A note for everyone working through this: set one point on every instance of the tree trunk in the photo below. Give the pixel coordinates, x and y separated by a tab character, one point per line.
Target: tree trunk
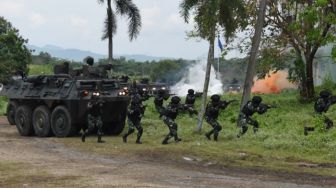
110	33
310	92
206	84
253	54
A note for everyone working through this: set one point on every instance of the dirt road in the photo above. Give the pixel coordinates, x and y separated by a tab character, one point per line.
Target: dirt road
42	162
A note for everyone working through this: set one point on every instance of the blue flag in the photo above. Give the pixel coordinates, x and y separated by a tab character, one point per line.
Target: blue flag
220	44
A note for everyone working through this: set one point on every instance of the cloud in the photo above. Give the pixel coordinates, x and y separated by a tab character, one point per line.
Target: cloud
8	7
37	19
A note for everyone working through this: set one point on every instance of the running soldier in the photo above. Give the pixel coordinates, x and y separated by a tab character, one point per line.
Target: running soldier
245	116
321	107
211	115
169	116
94	119
135	112
158	101
190	102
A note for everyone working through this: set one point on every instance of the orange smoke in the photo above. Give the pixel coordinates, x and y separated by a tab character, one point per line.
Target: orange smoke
274	83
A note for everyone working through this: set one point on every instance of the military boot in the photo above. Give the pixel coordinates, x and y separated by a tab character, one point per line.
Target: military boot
138	140
216	137
83	137
125	138
165	141
100	139
208	135
177	139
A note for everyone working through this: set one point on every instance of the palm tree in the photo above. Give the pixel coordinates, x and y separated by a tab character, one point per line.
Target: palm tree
212	17
123	7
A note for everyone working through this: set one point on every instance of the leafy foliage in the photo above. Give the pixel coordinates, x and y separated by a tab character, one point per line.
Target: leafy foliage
294	31
14	55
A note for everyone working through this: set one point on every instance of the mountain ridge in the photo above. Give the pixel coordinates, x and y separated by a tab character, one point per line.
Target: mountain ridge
78	55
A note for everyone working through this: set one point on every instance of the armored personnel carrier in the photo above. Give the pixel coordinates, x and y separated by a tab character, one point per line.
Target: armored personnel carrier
45	105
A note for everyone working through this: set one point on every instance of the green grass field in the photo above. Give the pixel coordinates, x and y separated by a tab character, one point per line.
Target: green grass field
279	144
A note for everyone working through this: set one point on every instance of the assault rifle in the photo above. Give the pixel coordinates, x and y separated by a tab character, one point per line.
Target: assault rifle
264	107
224	104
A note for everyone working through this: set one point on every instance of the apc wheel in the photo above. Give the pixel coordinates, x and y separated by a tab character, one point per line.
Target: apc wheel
11	109
61	124
23	120
41	121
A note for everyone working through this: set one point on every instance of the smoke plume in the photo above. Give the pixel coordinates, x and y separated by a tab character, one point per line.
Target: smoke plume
194	79
274	83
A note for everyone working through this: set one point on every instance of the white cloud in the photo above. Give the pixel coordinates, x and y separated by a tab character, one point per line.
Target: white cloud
8	7
37	19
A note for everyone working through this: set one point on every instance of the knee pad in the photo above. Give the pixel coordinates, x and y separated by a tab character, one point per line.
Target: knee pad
219	128
174	126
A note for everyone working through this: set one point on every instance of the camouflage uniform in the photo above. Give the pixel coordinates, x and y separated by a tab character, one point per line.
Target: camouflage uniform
158	101
170	115
94	120
321	106
190	101
134	115
211	115
246	113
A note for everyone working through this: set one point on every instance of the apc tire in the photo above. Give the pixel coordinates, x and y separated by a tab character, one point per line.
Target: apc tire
23	120
61	124
10	112
41	121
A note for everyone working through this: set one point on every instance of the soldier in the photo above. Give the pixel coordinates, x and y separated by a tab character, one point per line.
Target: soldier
321	106
94	119
247	111
158	101
135	112
170	114
211	115
190	101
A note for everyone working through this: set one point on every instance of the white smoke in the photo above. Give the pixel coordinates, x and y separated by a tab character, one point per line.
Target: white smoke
194	79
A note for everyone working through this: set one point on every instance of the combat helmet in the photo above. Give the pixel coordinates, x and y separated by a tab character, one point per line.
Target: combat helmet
191	91
89	60
325	94
215	98
175	100
256	100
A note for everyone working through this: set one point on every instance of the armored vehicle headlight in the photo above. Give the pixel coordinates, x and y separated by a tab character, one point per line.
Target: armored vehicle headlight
144	89
122	93
125	88
154	88
96	94
164	88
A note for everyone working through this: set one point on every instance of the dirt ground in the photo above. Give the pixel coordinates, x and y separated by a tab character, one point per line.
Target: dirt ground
42	162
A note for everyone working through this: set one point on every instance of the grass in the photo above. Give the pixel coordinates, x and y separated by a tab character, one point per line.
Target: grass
279	144
35	69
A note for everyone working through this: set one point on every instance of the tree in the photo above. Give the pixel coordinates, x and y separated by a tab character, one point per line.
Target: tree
212	17
123	7
253	54
299	28
14	55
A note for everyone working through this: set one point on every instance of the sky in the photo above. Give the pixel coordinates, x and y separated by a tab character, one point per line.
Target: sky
79	24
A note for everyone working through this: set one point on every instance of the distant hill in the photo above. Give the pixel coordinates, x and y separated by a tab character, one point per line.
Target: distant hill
79	55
